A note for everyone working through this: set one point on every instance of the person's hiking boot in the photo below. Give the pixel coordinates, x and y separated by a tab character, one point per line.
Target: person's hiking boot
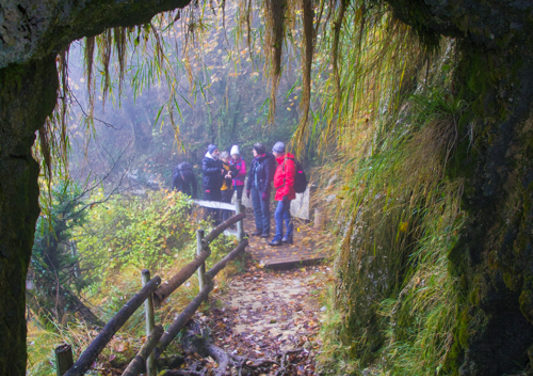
286	240
265	235
274	242
256	233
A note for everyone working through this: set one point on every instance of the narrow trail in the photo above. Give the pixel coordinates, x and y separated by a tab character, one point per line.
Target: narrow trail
272	317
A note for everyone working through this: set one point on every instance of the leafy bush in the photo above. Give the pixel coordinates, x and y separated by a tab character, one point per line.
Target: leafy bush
126	234
144	232
54	268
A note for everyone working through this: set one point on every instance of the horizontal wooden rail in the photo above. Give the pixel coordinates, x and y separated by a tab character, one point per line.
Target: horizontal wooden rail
97	345
230	256
138	363
182	319
179	278
215	205
221	227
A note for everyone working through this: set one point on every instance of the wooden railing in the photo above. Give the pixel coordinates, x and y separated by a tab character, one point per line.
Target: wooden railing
153	293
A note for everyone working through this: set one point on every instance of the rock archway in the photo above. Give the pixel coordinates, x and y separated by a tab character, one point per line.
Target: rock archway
31	36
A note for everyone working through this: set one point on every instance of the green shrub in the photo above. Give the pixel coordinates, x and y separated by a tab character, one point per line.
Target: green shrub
54	268
144	232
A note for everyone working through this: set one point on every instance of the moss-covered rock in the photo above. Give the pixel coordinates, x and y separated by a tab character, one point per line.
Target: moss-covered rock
491	264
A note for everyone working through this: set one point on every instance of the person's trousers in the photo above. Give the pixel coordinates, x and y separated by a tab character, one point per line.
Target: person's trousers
282	216
226	197
261	212
214	214
239	189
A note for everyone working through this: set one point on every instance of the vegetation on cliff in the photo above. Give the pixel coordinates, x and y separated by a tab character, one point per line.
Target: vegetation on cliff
433	271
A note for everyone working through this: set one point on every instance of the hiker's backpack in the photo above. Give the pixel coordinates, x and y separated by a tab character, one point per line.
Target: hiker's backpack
181	170
300	180
185	166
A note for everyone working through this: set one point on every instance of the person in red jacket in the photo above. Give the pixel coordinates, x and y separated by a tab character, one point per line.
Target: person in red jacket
284	185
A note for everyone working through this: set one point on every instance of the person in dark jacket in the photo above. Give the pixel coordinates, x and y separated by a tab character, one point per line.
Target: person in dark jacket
258	185
183	179
212	178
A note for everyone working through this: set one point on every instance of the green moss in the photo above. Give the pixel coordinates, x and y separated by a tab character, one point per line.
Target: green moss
511	280
462	327
526	299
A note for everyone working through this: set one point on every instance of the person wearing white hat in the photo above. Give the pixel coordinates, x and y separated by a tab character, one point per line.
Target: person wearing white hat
240	166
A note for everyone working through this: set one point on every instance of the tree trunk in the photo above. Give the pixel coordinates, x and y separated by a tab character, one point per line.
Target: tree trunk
27	96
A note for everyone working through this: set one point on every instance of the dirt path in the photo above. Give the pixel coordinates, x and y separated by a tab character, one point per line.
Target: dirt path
272	315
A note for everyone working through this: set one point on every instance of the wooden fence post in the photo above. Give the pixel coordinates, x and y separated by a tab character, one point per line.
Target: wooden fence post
89	355
240	224
201	269
319	220
149	316
64	361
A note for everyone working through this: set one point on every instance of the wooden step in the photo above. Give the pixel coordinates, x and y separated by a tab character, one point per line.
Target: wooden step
283	258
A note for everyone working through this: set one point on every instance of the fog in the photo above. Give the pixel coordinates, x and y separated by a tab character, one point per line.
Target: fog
215	91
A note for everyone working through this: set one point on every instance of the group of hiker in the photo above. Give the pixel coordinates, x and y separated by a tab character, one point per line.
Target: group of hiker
223	173
221	176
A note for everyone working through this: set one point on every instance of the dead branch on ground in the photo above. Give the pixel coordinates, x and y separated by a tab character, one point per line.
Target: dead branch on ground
195	340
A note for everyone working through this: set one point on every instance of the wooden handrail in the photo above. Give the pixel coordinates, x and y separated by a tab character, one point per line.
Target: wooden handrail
182	319
230	256
223	226
179	278
159	340
97	345
137	363
187	313
215	204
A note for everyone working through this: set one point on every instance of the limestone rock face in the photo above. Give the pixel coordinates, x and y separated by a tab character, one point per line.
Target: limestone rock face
21	21
36	29
27	96
493	257
494	24
490	265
